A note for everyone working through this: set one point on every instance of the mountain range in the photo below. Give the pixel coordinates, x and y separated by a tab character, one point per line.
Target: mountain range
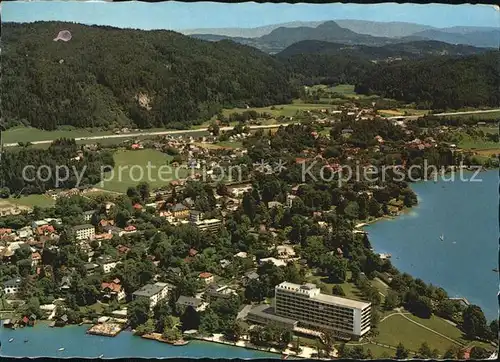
274	38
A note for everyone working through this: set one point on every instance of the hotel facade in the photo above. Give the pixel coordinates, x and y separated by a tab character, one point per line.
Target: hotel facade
313	310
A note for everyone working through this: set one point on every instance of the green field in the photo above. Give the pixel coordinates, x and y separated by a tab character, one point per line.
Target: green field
469	142
287	110
128	166
28	134
29	200
396	329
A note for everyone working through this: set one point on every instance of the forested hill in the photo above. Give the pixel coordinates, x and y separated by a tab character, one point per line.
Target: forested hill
438	83
105	76
408	50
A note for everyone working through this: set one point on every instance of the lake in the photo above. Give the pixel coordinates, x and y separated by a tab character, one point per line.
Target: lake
45	342
466	214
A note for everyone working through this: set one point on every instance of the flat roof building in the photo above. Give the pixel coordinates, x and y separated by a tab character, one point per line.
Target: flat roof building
210	225
153	292
346	317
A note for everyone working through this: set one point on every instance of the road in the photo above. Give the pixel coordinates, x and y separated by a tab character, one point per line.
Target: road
190	131
448	114
147	134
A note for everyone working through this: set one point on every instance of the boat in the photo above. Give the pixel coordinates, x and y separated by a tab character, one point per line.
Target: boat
180	343
101	355
441	237
495	270
10	340
26	340
61	349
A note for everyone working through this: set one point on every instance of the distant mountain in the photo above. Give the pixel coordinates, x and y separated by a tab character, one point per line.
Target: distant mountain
368	33
329	31
481	38
409	50
466	29
394	29
250	32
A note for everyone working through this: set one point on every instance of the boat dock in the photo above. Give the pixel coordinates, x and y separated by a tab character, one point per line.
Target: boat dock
158	337
461	299
105	329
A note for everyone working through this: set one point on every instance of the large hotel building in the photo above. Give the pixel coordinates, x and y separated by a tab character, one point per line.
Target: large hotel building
314	310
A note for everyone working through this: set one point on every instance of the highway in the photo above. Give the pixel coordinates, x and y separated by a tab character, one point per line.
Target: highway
191	131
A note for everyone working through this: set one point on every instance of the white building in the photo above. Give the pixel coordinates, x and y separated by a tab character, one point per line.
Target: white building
12	286
83	232
153	293
107	263
314	310
210	225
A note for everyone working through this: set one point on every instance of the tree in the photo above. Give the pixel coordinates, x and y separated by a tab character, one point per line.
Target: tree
474	322
451	353
479	353
214	128
143	189
138	312
401	352
337	290
494	330
391	300
425	351
234	331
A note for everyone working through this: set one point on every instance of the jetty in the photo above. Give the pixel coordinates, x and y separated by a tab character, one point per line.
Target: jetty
105	329
158	337
461	299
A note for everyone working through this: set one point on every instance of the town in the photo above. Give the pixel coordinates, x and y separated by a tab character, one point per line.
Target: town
256	258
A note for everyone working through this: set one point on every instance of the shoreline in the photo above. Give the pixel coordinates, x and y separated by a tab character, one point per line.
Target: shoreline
406	211
306	352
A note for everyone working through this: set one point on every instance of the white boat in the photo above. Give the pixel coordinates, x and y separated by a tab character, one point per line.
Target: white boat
61	349
10	340
101	355
441	237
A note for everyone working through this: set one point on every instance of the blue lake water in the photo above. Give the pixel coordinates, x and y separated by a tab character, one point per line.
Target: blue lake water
466	214
45	342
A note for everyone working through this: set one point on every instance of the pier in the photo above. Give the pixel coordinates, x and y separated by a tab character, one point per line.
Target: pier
461	299
105	329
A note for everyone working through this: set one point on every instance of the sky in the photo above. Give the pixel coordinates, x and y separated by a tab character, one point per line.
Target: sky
178	15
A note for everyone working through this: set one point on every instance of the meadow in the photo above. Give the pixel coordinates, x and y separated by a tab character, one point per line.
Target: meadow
131	168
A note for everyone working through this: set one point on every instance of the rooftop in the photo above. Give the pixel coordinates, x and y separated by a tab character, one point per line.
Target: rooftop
189	301
325	298
265	311
83	227
150	289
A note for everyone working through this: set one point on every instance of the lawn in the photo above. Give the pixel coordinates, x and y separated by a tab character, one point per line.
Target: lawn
131	168
29	134
287	110
350	290
468	142
29	200
397	329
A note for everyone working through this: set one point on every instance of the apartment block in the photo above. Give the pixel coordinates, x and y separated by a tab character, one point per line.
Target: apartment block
210	225
153	293
84	232
345	317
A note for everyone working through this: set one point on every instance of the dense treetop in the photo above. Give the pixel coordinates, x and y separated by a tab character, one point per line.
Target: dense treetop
106	76
438	83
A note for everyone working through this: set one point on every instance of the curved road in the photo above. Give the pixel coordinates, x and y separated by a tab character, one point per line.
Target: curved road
188	131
